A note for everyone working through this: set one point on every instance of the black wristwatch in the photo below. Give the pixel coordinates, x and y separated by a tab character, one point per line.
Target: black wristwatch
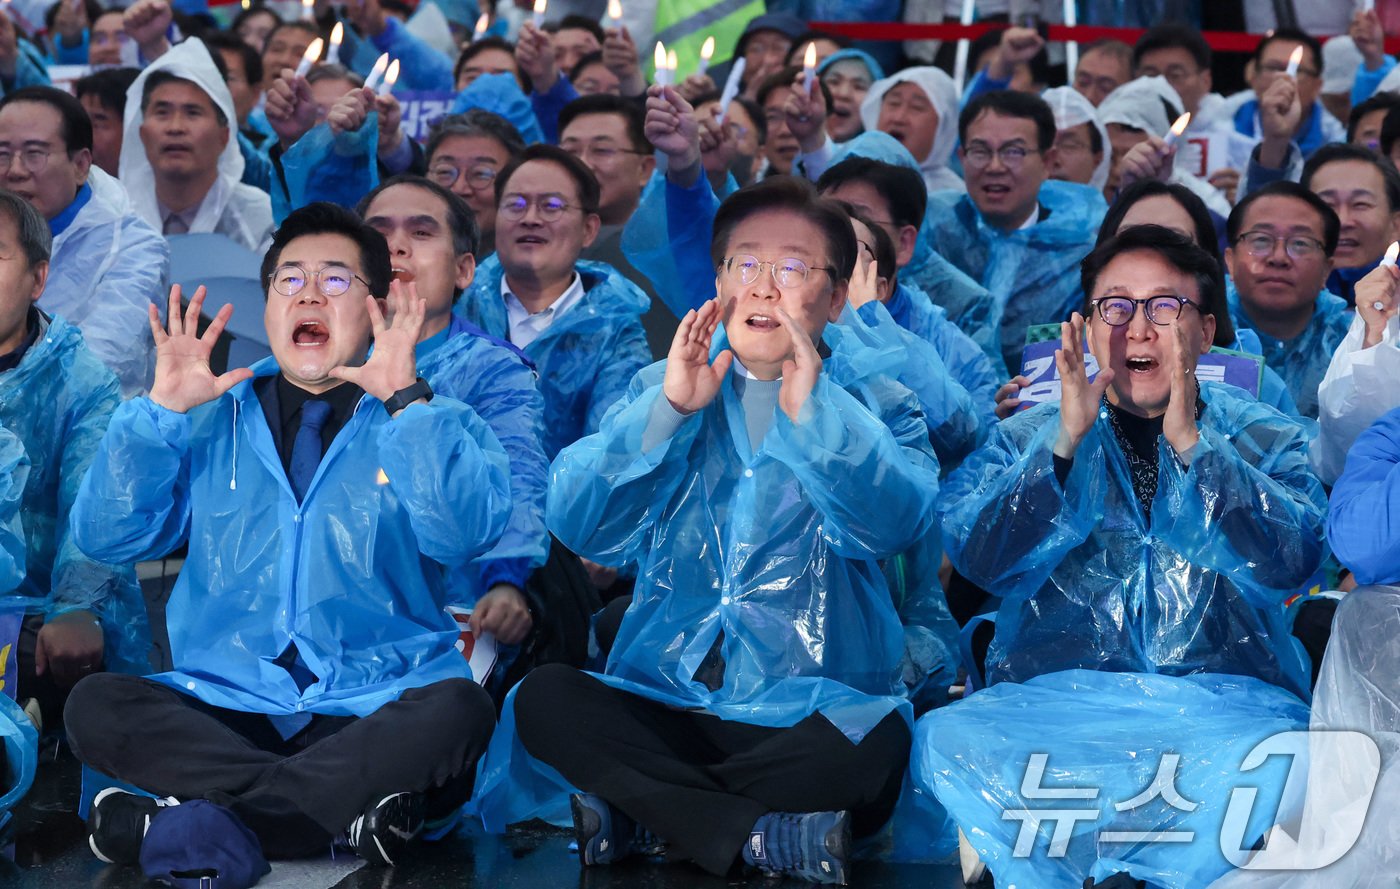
407	395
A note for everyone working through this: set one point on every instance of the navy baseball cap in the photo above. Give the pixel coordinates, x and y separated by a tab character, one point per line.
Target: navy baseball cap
200	845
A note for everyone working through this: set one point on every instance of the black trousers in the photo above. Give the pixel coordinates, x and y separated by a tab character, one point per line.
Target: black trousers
698	781
296	795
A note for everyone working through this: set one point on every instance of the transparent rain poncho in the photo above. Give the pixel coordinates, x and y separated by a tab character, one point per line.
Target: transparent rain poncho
1303	360
352	575
58	401
585	358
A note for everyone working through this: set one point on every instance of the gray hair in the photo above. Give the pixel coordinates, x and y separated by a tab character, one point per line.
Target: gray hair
34	237
477	122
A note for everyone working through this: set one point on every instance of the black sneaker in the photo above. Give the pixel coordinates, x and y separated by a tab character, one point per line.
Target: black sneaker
386	829
117	823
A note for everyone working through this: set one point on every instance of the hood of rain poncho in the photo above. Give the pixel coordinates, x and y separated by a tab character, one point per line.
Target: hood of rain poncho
943	95
190	61
1138	104
500	94
860	55
1071	110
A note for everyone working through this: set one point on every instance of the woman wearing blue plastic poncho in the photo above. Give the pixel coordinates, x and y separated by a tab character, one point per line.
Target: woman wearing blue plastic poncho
762	645
1143	534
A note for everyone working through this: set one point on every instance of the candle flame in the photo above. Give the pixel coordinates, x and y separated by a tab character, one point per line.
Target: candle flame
391	76
671	63
1392	253
337	34
482	24
1182	123
707	51
615	10
658	57
379	65
540	6
809	58
1296	58
313	52
246	5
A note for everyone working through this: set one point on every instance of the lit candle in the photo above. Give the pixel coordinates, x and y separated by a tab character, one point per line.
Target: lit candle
313	52
1294	61
614	19
809	68
308	10
671	65
246	4
482	24
658	59
337	35
1177	129
707	52
538	18
377	72
731	86
391	77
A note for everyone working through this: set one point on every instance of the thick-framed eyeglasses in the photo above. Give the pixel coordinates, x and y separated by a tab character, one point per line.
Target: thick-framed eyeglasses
1163	310
1013	156
550	206
787	272
33	160
291	278
1257	243
477	178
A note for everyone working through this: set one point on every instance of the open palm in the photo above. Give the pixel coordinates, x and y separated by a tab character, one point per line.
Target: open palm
184	379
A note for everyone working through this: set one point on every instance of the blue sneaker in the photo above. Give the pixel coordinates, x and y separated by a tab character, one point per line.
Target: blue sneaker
811	846
605	834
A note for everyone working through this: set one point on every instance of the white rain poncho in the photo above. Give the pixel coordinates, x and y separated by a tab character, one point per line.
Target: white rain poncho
108	265
943	94
231	208
1071	110
1359	387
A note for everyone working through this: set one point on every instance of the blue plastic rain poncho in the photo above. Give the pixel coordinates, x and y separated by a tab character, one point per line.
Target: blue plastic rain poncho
1031	273
1273	391
108	266
58	401
324	166
1301	361
912	310
500	94
14	477
498	383
242	212
966	302
351	575
777	549
1364	523
585	357
1107	758
30	69
1087	580
943	96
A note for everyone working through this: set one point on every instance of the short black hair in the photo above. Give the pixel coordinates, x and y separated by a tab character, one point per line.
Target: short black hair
255	9
466	235
476	47
74	124
1179	251
476	122
1390	130
806	37
781	79
584	61
902	189
584	180
108	85
35	238
1386	102
575	22
322	218
1009	103
1201	221
797	195
156	79
1173	35
1343	151
1331	225
884	247
1290	35
627	109
227	40
755	112
92	7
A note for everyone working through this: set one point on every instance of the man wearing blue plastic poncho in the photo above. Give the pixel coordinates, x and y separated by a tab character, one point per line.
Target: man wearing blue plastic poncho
751	712
317	690
1143	535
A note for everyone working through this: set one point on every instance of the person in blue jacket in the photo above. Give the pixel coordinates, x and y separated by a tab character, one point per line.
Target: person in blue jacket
1361	522
19	739
1143	534
322	495
1281	240
578	321
1017	232
432	239
751	712
80	615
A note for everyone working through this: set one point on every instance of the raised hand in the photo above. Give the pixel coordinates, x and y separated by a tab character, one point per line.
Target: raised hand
1017	45
1279	114
290	107
147	22
719	143
696	85
1376	301
534	53
865	281
504	613
800	372
1007	400
1367	34
691	381
806	114
1151	158
671	128
392	365
620	56
349	112
390	124
184	379
1179	422
1079	399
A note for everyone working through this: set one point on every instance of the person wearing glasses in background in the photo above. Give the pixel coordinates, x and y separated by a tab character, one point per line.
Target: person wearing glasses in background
1281	241
1142	609
578	321
465	152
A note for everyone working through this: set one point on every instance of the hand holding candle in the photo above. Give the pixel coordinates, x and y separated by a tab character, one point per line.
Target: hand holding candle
313	52
376	73
658	60
809	68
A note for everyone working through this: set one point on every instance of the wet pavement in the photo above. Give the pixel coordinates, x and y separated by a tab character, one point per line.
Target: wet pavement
50	850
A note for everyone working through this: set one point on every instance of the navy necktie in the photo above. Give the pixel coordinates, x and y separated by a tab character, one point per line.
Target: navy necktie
306	447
